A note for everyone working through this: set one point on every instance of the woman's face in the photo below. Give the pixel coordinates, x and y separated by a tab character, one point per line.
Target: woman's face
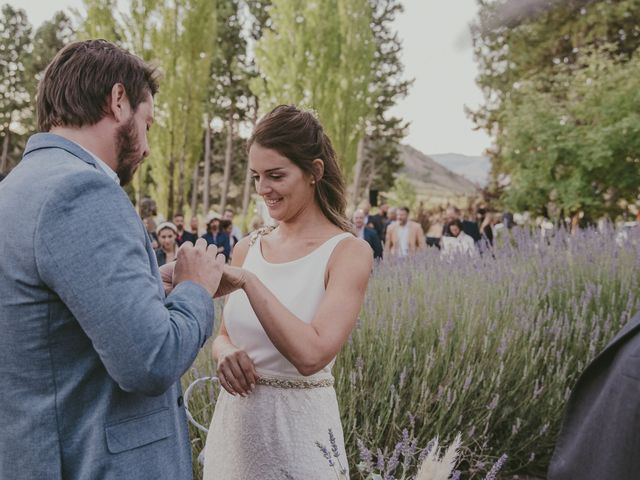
167	239
286	189
455	231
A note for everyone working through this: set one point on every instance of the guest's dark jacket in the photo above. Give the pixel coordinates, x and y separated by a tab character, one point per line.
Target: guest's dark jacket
468	227
161	256
221	239
377	222
600	434
371	237
186	237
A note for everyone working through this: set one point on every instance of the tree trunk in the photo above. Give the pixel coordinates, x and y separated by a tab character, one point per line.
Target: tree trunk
194	189
246	192
357	171
228	157
4	160
181	168
206	195
172	170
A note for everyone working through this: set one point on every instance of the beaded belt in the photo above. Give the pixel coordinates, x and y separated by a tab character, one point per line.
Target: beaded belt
294	382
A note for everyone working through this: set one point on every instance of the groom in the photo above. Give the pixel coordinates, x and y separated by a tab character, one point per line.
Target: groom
91	351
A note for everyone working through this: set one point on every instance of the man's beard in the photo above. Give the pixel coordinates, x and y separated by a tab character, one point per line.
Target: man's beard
128	154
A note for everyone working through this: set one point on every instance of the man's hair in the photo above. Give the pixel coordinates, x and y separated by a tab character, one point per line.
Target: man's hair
77	83
230	210
179	214
406	209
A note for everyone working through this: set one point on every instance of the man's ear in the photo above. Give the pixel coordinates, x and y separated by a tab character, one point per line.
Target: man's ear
119	103
317	167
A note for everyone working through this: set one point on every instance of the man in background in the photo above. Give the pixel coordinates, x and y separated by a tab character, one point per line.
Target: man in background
183	235
404	237
369	235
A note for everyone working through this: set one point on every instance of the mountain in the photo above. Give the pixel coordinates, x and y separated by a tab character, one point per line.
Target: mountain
476	169
432	180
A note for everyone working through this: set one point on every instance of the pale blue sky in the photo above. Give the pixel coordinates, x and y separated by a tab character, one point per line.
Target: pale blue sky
437	54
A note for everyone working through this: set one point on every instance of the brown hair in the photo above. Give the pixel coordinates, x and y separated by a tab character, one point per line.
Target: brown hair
76	84
298	135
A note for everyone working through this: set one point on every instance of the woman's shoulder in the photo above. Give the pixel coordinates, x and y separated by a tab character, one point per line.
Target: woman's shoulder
352	248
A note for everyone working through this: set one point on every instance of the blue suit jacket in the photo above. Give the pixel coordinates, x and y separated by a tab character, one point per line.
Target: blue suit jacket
91	351
371	237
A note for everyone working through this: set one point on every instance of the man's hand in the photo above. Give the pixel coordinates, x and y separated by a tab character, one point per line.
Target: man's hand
199	263
233	278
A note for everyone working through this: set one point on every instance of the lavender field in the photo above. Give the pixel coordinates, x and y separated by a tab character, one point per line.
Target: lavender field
487	346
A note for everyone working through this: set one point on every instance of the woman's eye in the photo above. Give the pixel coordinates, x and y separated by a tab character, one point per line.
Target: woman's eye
276	177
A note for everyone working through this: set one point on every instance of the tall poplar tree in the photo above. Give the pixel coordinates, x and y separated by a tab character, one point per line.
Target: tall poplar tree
319	55
184	45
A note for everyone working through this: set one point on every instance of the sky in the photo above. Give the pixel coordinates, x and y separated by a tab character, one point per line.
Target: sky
437	54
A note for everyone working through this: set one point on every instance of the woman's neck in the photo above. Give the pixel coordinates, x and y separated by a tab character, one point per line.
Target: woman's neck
308	223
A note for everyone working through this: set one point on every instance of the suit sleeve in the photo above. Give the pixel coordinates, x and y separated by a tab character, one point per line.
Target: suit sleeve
90	250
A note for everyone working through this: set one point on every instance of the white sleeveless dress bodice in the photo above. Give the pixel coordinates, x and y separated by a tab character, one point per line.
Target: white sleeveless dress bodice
272	433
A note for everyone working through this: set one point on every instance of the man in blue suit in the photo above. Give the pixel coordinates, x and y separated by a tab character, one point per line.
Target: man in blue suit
91	351
369	235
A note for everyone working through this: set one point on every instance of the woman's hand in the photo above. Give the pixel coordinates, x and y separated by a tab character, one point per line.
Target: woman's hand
233	278
166	274
236	371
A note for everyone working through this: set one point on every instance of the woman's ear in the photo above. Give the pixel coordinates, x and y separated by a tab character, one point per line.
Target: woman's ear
317	167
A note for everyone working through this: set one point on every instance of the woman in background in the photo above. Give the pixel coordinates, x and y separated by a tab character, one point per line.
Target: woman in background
167	233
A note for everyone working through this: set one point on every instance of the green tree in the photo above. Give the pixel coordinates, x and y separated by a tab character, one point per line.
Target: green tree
229	87
384	131
514	43
99	21
15	47
49	38
184	45
404	192
573	148
319	55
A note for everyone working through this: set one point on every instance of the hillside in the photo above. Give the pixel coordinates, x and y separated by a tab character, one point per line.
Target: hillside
476	168
431	179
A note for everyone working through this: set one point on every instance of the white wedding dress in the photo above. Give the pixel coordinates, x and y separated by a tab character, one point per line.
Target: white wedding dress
272	433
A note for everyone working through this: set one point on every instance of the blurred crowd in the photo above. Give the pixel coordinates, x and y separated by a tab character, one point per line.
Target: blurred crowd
391	231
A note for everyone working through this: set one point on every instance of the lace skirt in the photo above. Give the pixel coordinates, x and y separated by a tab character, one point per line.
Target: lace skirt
272	435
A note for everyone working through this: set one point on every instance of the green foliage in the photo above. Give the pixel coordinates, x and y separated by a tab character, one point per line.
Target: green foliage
517	43
184	52
404	192
319	55
384	131
574	146
100	21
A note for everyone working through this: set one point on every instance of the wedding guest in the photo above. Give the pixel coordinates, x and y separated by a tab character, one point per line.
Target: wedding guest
227	227
182	234
372	221
303	285
404	237
215	236
194	225
150	226
599	437
457	241
235	231
167	238
367	234
468	226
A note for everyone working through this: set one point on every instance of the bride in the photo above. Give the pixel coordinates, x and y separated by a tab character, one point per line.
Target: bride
300	289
